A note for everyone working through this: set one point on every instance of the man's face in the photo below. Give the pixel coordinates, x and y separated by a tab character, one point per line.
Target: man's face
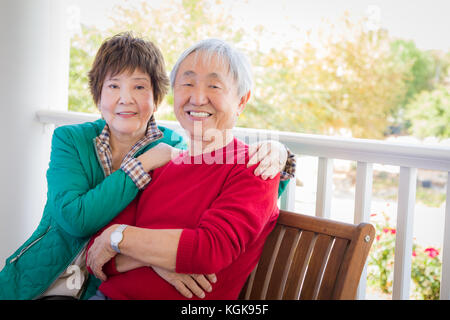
206	96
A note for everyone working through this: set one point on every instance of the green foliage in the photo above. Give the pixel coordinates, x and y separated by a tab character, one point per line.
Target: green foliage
381	257
420	67
426	264
426	273
82	53
429	113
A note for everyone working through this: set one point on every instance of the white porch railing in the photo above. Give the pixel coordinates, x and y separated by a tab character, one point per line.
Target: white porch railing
365	152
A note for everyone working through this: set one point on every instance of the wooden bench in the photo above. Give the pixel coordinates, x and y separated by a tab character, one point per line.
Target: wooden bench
308	258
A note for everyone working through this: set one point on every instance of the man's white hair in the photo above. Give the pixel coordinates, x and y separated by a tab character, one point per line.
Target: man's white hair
237	62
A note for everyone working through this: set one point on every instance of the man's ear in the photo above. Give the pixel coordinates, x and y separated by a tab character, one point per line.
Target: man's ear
243	101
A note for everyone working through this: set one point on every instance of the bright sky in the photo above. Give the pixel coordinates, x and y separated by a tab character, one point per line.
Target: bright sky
427	22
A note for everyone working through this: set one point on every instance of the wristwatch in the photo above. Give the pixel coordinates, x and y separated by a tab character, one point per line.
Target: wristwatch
117	236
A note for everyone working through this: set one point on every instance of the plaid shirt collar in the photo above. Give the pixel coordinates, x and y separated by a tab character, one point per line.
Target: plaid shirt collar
103	146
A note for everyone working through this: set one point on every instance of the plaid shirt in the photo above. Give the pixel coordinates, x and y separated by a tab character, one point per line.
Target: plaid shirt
130	165
288	171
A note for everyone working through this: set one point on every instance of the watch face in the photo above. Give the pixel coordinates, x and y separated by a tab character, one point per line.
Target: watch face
116	237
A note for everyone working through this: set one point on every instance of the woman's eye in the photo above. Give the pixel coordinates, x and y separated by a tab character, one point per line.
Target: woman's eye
187	84
214	86
140	87
113	86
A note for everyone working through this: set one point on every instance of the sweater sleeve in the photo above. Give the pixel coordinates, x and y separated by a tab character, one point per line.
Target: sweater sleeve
127	216
78	208
231	224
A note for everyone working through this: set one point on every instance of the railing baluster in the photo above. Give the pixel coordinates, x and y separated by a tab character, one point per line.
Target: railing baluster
445	281
404	236
324	187
363	198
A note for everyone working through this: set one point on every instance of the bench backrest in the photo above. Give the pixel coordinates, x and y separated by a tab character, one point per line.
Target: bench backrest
307	257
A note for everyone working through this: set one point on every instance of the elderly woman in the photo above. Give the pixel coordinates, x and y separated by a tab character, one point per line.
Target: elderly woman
215	217
96	169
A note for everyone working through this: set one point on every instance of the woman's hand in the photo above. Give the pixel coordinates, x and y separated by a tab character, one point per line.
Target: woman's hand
188	284
271	155
101	252
158	156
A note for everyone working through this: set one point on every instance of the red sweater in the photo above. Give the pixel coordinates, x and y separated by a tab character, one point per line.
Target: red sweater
225	211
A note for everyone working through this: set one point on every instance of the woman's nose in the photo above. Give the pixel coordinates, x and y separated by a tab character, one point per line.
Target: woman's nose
125	96
199	97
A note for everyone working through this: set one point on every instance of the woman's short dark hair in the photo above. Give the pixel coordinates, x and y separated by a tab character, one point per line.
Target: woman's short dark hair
124	52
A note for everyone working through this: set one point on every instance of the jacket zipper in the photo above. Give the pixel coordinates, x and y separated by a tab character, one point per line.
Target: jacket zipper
29	246
59	274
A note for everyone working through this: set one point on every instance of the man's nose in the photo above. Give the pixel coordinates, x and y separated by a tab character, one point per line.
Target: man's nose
199	97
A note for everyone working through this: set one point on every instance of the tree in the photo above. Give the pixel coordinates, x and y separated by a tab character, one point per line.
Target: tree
345	80
82	52
420	67
429	113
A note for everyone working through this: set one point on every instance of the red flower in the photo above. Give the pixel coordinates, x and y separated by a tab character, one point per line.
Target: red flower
391	230
378	238
414	254
432	252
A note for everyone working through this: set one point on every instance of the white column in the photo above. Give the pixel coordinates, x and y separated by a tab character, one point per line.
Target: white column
363	198
445	281
34	64
324	187
404	235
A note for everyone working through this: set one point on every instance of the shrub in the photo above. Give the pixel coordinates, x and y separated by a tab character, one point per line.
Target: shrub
425	265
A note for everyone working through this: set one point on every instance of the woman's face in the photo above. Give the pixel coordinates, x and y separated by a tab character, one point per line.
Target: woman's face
126	103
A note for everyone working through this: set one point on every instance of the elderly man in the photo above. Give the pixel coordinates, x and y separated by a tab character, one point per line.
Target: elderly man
216	216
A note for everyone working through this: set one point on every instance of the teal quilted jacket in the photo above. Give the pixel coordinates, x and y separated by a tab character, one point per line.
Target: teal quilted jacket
80	201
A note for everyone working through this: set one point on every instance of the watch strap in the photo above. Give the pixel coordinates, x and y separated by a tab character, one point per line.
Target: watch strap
115	244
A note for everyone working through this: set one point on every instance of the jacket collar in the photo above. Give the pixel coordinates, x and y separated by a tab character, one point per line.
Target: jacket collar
152	133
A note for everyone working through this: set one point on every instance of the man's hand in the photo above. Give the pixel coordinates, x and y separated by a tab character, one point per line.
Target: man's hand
101	252
188	284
